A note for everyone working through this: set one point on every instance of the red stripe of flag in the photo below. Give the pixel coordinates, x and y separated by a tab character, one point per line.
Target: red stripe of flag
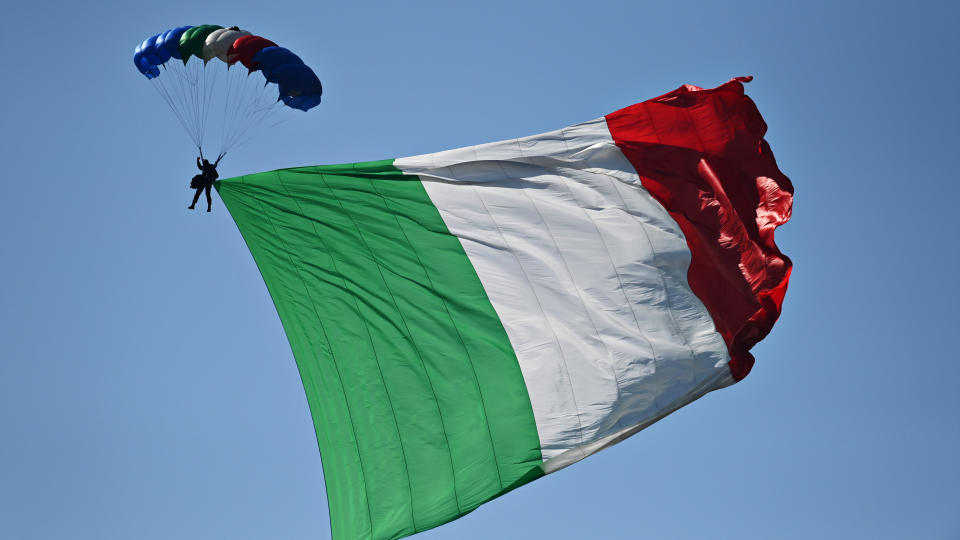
701	153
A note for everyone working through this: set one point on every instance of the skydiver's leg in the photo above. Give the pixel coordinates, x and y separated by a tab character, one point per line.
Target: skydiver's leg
208	197
196	197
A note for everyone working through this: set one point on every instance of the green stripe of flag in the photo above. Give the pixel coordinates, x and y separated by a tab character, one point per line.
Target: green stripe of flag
397	345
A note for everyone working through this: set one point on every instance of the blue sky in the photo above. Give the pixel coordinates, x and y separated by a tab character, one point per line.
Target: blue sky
146	387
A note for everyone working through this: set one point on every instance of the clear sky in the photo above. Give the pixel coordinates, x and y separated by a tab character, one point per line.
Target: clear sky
147	390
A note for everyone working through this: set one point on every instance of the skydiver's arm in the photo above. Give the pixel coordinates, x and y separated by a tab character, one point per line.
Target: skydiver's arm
199	165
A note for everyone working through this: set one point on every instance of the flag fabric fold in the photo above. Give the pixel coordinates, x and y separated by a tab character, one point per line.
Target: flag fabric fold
469	320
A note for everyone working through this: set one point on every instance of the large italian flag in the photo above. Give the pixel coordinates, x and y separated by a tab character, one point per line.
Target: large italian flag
467	321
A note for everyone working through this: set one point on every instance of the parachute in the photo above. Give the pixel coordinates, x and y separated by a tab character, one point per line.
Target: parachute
204	94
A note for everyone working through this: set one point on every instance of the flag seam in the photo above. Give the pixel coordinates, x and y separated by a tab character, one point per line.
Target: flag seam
453	323
332	357
569	274
667	291
415	347
543	313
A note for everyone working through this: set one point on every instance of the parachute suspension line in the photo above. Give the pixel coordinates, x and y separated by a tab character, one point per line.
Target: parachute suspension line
243	110
184	84
179	94
197	95
246	105
233	106
184	98
210	85
268	108
230	108
200	93
242	114
256	119
257	105
226	102
274	106
158	85
186	101
194	90
173	98
196	80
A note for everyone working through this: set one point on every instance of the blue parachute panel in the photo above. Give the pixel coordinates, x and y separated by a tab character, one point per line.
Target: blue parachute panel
270	59
169	41
145	57
299	86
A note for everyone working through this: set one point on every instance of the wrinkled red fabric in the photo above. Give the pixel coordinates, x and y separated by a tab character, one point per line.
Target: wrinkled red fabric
244	49
701	154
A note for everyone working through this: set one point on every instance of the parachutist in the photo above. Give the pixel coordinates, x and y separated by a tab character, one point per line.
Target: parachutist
204	181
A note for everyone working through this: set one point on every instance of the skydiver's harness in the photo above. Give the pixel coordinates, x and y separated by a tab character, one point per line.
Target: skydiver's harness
208	175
